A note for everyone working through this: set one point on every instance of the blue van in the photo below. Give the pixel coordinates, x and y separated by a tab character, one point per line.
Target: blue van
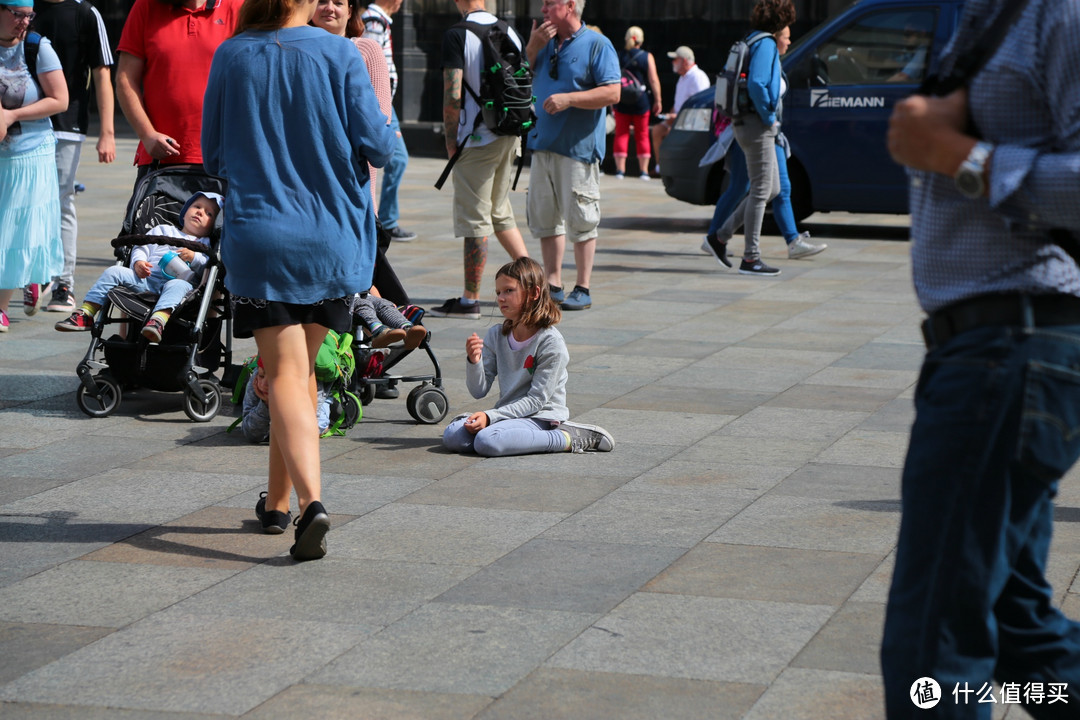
844	77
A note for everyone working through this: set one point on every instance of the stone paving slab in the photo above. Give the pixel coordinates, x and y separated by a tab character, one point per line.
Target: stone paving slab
730	559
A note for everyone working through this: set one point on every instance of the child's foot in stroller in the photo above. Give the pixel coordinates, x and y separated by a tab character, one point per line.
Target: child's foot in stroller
152	329
78	321
584	437
383	336
415	335
274	522
311	529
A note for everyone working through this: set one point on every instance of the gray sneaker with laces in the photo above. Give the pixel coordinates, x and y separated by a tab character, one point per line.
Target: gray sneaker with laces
801	247
584	438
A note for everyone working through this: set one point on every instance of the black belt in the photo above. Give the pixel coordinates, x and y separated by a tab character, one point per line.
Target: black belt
1001	310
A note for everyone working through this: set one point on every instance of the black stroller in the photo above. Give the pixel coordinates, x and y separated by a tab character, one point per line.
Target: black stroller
191	349
426	403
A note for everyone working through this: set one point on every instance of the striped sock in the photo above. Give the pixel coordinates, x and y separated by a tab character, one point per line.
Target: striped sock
161	315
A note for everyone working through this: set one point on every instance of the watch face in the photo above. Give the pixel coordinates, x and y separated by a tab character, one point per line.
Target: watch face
969	183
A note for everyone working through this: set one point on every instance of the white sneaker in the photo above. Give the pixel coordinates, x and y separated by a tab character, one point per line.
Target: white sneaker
801	247
645	177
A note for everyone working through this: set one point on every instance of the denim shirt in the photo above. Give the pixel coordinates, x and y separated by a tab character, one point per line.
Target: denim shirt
1026	102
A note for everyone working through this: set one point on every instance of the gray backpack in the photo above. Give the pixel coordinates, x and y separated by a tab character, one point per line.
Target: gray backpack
732	99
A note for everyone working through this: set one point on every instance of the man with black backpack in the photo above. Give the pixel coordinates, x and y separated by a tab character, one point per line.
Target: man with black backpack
487	106
994	160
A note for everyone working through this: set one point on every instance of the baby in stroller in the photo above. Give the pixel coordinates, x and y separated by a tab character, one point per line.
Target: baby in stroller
148	274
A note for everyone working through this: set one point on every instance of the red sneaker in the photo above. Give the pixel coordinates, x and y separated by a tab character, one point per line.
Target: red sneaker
78	321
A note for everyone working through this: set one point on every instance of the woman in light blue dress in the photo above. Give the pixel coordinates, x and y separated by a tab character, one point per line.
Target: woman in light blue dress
30	248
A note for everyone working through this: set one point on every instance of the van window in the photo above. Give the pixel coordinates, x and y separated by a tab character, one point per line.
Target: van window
889	46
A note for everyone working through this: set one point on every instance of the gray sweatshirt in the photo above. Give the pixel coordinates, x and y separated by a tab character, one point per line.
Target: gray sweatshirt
532	381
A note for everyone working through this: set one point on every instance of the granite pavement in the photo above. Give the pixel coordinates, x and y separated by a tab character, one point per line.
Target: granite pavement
730	559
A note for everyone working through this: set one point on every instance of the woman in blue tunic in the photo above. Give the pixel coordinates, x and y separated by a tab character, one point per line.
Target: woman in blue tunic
30	247
291	121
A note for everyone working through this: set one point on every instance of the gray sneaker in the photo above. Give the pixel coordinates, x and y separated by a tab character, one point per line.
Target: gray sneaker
801	247
758	268
588	437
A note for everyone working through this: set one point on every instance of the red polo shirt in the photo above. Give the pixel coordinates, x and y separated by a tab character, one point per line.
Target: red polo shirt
176	44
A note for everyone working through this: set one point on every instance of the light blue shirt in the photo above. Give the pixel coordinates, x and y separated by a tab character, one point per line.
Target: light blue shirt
18	89
585	61
1026	101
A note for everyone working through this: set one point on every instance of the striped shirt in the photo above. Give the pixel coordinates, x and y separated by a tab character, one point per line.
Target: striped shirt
1026	102
377	27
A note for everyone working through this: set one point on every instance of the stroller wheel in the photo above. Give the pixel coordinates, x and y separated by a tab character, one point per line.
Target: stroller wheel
106	400
427	404
366	393
352	408
199	411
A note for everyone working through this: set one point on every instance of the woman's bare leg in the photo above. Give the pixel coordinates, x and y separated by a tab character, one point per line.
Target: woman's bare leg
288	354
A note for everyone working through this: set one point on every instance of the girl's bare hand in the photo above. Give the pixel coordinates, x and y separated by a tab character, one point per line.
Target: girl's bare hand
474	348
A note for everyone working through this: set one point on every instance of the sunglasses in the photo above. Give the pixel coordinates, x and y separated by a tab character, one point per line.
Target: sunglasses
27	16
553	69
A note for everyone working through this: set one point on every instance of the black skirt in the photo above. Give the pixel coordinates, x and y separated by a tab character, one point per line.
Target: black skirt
250	315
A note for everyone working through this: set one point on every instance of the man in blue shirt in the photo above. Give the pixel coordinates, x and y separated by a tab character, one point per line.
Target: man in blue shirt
576	76
995	168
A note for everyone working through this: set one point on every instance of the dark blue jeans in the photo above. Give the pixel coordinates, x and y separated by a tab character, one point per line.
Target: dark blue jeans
389	211
997	424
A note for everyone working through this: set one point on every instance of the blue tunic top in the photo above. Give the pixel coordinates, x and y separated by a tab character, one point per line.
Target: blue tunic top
290	120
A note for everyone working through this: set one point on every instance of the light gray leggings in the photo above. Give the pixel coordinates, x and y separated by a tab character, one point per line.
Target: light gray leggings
758	143
516	436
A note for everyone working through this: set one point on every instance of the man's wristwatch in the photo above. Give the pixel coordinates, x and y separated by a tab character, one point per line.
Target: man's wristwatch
971	176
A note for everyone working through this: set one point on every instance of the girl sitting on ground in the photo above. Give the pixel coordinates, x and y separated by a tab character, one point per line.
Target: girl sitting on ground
529	357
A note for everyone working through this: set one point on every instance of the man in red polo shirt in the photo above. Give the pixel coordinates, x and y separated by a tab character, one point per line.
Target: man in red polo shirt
165	53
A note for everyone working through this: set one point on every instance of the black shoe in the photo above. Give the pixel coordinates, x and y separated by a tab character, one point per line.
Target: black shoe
311	529
273	522
758	268
396	233
718	249
454	308
62	300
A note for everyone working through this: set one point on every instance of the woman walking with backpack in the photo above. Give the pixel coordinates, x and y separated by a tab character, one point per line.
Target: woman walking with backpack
757	129
30	248
636	106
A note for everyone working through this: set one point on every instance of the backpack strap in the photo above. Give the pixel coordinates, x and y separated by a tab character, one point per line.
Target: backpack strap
30	51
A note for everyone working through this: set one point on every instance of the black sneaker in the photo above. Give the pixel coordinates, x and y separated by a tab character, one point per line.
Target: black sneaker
274	522
717	249
311	529
758	268
454	308
588	437
396	233
62	300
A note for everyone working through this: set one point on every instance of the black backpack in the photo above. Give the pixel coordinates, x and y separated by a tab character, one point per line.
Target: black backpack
505	96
